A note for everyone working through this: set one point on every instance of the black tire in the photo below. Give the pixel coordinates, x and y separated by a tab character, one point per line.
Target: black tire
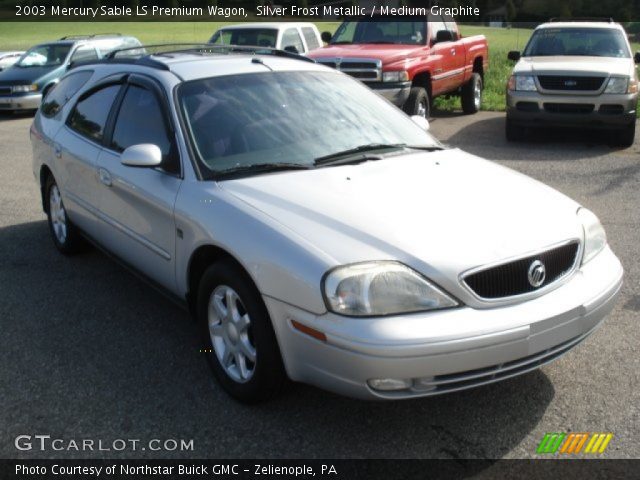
268	375
472	95
626	136
418	103
514	133
71	242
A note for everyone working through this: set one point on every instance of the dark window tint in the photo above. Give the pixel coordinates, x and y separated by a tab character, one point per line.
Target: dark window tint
63	91
90	115
140	120
311	38
291	38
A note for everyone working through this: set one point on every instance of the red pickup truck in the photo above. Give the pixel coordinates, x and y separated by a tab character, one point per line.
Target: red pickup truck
410	61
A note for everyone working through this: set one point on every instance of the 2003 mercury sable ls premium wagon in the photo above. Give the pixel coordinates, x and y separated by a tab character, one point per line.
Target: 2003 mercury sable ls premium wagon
362	256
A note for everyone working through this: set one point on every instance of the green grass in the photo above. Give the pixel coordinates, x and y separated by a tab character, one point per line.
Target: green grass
17	35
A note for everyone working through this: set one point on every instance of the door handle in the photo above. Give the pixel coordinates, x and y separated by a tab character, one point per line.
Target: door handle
453	51
105	177
57	150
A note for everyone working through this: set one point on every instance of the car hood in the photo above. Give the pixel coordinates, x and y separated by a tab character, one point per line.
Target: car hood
386	53
441	213
582	65
24	75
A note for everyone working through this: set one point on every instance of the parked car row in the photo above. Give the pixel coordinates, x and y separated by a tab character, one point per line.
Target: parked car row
315	231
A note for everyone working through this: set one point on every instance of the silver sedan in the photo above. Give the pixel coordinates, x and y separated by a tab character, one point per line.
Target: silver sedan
315	231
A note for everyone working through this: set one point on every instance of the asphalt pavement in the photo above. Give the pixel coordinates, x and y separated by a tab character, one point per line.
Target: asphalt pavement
88	351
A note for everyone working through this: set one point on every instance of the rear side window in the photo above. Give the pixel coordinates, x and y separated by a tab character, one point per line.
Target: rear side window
140	120
291	38
90	115
63	91
311	38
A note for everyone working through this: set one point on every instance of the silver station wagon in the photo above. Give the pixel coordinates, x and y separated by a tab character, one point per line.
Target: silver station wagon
315	231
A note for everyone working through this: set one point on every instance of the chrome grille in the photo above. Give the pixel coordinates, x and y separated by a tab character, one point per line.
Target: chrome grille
581	84
365	69
512	278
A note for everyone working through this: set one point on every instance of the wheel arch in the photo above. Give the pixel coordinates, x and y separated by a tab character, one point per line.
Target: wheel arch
202	258
478	67
45	174
423	79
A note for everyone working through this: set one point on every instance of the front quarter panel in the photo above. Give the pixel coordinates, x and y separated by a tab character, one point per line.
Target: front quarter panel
282	264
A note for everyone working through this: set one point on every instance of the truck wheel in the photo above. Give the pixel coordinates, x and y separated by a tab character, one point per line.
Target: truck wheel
472	94
418	103
237	335
514	133
626	136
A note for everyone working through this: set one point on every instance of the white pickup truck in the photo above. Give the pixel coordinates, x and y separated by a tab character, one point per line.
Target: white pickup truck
293	37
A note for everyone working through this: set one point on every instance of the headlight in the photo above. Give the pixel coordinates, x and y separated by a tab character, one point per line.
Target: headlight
523	83
381	288
595	237
617	85
23	88
401	76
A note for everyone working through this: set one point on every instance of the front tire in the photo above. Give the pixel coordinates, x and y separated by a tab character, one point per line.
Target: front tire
237	335
418	103
472	95
65	235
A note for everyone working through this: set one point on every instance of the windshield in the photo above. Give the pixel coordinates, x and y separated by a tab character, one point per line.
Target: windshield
593	42
381	32
255	37
288	118
45	56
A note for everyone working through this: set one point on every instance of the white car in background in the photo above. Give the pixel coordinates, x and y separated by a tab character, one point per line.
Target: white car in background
294	37
9	58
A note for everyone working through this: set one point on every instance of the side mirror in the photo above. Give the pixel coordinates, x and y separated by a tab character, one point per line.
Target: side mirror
444	36
636	57
291	49
326	37
514	55
144	155
422	122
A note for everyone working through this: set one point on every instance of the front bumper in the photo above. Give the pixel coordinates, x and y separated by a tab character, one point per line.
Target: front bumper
448	350
396	93
29	101
606	111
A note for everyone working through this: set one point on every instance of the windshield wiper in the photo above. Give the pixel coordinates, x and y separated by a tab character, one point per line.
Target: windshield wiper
341	42
352	155
371	147
259	168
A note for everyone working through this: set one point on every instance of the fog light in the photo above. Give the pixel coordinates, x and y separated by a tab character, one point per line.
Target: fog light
388	384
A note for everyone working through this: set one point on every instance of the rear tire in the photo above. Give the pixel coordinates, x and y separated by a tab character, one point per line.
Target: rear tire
237	335
418	103
626	136
514	133
472	95
65	235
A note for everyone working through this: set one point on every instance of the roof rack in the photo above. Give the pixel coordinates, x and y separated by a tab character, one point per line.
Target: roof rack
166	49
83	37
581	19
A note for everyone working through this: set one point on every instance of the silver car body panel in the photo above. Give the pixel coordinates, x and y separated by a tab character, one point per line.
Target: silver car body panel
441	213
